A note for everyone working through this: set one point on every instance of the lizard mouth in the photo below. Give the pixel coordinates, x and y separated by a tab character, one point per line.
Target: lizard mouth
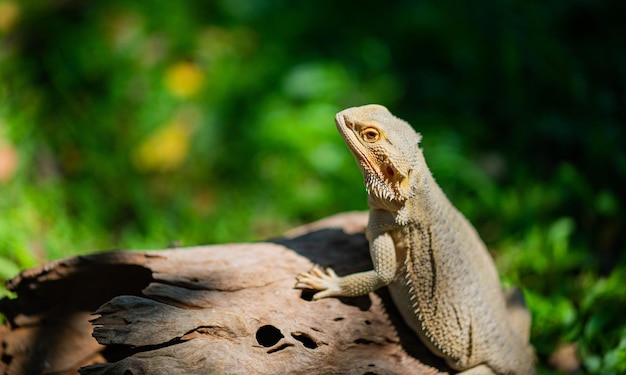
348	131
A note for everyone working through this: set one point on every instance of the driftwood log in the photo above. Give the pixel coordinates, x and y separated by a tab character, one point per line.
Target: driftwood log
224	309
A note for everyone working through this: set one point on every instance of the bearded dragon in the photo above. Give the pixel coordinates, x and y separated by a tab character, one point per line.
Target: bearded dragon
438	271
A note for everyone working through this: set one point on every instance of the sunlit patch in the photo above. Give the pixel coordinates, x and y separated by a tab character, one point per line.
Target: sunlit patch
184	79
166	149
9	15
8	162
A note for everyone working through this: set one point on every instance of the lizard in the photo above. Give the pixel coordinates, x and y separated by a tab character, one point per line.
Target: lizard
438	270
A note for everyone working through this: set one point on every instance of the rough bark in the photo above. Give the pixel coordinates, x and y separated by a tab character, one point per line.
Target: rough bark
223	309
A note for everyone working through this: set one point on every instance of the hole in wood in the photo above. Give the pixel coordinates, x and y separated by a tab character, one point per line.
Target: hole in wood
6	359
268	335
307	295
305	339
283	346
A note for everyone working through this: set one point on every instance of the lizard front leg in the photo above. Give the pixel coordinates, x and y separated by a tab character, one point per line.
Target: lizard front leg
382	251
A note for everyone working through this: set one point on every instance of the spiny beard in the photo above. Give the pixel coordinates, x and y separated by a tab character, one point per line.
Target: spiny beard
382	189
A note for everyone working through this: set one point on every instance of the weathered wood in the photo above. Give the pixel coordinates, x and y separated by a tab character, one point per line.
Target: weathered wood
224	309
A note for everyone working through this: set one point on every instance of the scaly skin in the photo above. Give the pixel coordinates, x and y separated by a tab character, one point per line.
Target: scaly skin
438	271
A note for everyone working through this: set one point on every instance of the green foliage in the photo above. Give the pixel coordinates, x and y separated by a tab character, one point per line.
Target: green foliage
129	124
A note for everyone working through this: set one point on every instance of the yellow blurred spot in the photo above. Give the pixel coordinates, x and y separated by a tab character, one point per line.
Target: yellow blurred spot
165	149
8	162
9	14
184	79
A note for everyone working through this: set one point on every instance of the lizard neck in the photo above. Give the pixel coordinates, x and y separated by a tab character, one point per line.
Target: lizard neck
423	200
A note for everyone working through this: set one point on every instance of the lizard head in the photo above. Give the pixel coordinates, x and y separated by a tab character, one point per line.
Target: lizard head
385	149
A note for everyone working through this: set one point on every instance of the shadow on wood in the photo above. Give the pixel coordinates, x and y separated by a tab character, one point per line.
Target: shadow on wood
223	309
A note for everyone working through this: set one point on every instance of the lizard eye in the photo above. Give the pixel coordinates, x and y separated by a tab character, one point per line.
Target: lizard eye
370	135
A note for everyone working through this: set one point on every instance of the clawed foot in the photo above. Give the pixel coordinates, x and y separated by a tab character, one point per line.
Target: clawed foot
327	282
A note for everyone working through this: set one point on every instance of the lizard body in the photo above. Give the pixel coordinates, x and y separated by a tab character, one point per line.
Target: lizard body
439	273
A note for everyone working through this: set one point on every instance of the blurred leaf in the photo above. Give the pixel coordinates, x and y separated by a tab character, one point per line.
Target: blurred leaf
606	203
316	80
558	237
553	317
8	269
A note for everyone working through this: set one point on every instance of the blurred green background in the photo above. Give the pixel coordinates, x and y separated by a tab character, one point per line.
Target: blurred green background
130	124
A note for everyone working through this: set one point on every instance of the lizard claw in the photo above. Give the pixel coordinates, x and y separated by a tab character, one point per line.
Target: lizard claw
327	282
